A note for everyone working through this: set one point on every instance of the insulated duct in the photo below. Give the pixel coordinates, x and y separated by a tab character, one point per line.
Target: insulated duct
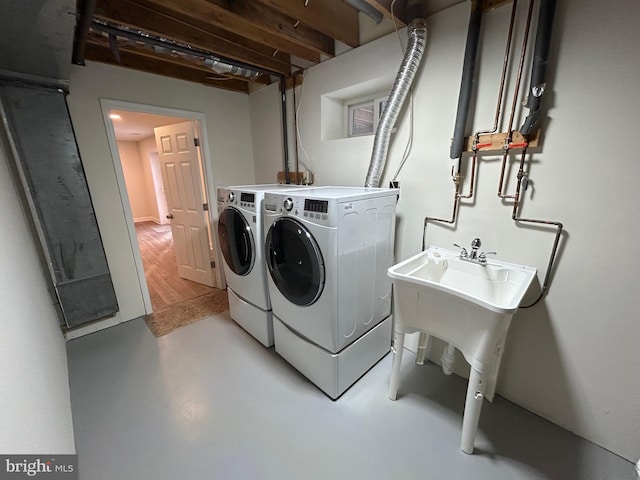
417	32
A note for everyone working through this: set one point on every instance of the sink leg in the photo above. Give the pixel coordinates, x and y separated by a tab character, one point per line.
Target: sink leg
423	338
493	375
472	407
398	347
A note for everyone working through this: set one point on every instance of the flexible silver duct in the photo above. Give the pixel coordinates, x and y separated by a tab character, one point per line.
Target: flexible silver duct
404	78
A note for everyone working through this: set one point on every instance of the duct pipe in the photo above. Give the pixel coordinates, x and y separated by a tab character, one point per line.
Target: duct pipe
408	68
539	65
466	84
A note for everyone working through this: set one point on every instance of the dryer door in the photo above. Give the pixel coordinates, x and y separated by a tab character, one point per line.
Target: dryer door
236	241
295	261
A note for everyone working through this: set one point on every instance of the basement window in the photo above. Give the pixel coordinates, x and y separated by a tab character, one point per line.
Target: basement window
363	115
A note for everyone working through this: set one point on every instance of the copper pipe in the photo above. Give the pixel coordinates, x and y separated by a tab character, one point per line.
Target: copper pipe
474	162
457	179
558	225
514	104
503	77
523	54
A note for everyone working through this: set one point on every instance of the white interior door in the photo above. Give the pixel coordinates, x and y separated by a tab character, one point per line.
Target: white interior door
183	186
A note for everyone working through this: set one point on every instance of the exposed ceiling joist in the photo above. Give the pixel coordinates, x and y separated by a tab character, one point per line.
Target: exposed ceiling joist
274	37
128	13
175	58
206	13
145	63
331	17
276	23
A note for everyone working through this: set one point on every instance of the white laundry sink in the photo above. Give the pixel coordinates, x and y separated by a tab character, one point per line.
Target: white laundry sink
467	304
497	286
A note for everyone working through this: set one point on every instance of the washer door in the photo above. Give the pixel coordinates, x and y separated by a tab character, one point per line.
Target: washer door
295	261
236	241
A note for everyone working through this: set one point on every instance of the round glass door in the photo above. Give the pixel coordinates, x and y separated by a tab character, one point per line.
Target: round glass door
295	261
236	241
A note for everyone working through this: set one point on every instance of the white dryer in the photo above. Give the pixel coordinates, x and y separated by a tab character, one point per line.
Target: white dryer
240	234
327	252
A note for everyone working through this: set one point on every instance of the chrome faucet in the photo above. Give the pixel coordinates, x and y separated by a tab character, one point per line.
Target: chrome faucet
475	245
473	255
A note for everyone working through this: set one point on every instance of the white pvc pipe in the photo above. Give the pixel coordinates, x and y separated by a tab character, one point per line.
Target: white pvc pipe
448	359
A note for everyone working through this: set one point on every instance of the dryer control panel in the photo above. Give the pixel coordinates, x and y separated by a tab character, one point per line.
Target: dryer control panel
312	209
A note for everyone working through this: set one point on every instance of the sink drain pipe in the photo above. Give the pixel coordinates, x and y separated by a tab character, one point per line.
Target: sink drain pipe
417	32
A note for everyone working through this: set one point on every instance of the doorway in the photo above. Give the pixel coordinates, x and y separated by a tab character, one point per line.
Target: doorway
144	192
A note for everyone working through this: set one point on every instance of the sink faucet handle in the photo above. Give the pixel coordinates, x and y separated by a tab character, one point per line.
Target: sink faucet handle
482	257
463	251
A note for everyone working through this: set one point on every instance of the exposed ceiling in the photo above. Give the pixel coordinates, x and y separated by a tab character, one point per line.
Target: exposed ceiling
199	40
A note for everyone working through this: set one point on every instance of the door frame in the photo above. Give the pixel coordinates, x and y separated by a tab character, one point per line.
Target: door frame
210	184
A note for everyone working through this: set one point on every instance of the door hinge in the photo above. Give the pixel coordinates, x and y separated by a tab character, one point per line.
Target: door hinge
196	142
205	207
213	264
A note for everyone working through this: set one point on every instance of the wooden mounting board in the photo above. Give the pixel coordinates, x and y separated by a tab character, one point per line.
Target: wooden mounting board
497	141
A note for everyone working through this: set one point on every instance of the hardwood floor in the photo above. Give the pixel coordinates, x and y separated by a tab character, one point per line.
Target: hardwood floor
166	288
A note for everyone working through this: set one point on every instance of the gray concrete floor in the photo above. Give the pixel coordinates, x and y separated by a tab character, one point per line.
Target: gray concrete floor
207	401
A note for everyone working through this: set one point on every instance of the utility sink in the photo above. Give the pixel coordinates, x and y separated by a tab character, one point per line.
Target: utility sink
465	303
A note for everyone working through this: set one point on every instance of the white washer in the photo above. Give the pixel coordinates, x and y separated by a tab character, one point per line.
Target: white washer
240	234
327	252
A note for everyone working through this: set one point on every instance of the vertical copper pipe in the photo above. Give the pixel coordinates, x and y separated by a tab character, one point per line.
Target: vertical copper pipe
514	103
556	242
474	162
503	77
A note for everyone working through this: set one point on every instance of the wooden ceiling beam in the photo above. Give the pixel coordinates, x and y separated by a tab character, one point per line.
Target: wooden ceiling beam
142	63
173	59
204	13
331	17
282	25
130	14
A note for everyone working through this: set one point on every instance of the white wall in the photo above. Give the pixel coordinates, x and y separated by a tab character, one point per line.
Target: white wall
573	358
136	180
153	176
228	133
266	133
35	408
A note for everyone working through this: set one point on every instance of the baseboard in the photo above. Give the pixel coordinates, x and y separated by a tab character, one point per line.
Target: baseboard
145	219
